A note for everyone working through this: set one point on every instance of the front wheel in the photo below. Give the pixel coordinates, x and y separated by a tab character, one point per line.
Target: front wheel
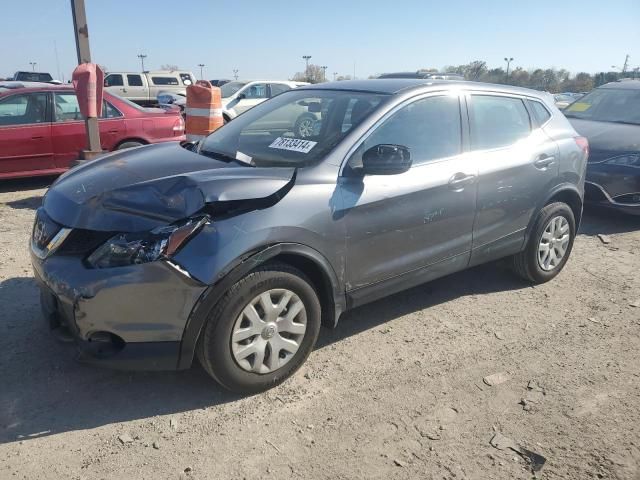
262	330
549	245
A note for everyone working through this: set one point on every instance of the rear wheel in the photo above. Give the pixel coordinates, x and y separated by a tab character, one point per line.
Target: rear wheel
549	245
262	330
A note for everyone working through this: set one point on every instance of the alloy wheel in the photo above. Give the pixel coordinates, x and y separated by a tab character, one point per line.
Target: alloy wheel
269	330
553	243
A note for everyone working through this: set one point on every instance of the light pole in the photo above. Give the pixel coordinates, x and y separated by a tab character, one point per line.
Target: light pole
324	73
142	57
508	60
306	70
201	65
33	66
335	74
235	74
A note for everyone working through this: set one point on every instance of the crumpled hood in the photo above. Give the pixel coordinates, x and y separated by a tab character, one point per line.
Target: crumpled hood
606	138
146	187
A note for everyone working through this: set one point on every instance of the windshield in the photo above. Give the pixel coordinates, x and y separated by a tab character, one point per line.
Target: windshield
231	88
296	128
33	77
608	105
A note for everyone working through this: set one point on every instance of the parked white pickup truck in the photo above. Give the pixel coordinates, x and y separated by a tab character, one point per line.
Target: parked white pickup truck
143	88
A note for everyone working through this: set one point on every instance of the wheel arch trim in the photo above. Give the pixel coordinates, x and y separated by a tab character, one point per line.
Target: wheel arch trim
238	269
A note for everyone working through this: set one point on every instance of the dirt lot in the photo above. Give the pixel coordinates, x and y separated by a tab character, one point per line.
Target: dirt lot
396	391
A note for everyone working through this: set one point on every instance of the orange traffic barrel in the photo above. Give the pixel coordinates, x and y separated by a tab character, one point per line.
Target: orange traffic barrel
204	110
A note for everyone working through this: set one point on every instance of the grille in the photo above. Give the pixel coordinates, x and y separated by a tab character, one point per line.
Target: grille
83	241
44	229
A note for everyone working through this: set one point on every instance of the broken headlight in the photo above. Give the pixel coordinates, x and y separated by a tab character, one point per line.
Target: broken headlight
143	247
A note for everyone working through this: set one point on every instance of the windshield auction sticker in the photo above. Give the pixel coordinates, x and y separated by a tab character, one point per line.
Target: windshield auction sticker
293	144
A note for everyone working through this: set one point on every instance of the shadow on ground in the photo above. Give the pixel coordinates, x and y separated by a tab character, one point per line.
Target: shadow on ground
31	203
45	391
600	220
22	184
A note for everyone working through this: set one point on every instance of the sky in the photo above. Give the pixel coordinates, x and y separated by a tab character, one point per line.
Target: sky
267	39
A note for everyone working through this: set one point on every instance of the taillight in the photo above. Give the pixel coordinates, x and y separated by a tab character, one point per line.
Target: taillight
178	126
583	143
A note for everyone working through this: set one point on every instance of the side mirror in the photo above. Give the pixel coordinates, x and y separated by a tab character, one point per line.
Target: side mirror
386	159
241	96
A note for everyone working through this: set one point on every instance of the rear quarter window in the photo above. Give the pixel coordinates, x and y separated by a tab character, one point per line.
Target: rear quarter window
540	112
165	81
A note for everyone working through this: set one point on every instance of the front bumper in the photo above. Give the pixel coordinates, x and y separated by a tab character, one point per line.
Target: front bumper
127	317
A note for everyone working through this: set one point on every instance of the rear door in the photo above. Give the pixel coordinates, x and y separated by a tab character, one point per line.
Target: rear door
517	165
421	219
25	133
135	87
69	130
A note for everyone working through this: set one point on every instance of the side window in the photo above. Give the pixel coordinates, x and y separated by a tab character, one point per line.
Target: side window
134	80
66	107
113	80
430	128
497	121
109	111
23	109
278	88
259	90
164	80
186	79
540	112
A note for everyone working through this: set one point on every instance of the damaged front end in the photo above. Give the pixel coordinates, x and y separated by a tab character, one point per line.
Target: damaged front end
106	247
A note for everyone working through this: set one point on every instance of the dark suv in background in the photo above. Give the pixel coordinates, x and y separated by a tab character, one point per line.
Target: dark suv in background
236	249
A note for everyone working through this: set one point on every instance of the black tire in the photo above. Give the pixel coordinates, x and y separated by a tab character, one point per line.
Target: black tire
526	264
303	123
131	144
214	345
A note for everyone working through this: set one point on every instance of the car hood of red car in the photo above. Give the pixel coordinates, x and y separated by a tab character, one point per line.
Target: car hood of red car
146	187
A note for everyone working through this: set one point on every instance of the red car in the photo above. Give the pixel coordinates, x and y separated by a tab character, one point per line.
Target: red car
42	130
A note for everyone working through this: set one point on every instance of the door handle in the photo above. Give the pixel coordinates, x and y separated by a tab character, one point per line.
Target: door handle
544	161
460	180
124	90
37	137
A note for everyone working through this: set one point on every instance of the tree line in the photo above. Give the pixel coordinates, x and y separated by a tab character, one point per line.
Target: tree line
549	79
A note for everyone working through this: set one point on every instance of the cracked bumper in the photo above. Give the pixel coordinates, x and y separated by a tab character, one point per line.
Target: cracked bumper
127	317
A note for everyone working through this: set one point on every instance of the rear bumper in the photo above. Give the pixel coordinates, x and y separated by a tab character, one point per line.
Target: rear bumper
129	318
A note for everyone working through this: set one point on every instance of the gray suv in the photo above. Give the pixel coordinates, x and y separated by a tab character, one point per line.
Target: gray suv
237	249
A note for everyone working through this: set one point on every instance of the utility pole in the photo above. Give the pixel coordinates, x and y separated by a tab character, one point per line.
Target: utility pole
626	64
142	57
334	76
235	74
508	60
201	65
324	73
33	66
306	70
81	34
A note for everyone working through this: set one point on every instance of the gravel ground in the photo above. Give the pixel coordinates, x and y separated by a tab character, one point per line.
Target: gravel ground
398	390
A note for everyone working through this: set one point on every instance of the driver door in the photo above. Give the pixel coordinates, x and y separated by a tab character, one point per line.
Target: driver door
406	228
252	95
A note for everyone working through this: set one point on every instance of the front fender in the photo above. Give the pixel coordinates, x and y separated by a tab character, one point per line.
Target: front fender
237	270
